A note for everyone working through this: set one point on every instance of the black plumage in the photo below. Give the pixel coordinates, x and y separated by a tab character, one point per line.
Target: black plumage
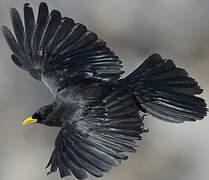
97	111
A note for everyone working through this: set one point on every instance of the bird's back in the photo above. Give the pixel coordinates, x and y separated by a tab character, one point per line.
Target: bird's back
79	100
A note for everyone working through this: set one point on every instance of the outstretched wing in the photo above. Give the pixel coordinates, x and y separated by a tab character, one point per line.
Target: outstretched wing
58	51
96	143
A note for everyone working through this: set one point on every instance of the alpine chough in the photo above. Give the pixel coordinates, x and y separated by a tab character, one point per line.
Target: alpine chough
98	111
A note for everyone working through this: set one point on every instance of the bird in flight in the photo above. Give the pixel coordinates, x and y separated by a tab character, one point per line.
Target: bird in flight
97	110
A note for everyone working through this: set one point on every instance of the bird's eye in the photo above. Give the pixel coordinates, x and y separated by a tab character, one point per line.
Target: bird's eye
37	116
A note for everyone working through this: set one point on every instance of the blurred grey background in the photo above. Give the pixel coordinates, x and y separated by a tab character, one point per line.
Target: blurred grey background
133	29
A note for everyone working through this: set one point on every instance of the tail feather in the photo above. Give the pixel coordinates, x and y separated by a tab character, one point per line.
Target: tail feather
166	91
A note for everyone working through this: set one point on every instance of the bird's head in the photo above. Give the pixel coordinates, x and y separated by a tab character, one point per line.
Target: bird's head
43	115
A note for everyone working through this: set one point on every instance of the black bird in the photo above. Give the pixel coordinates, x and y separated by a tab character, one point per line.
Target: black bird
98	111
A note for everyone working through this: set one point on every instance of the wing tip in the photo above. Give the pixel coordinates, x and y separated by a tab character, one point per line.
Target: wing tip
55	13
7	34
26	7
155	56
26	4
43	5
13	12
4	29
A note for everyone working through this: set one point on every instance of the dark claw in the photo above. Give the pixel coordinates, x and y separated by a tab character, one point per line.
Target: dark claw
146	130
143	116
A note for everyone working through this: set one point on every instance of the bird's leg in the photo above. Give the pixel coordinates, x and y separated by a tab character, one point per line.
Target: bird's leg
143	116
142	119
146	130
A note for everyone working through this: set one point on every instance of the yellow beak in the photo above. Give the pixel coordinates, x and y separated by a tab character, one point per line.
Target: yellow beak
29	121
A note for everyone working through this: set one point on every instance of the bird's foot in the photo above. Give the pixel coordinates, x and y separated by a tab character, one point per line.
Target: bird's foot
143	116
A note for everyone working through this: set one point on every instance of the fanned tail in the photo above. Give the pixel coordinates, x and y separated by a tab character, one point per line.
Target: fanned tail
166	91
